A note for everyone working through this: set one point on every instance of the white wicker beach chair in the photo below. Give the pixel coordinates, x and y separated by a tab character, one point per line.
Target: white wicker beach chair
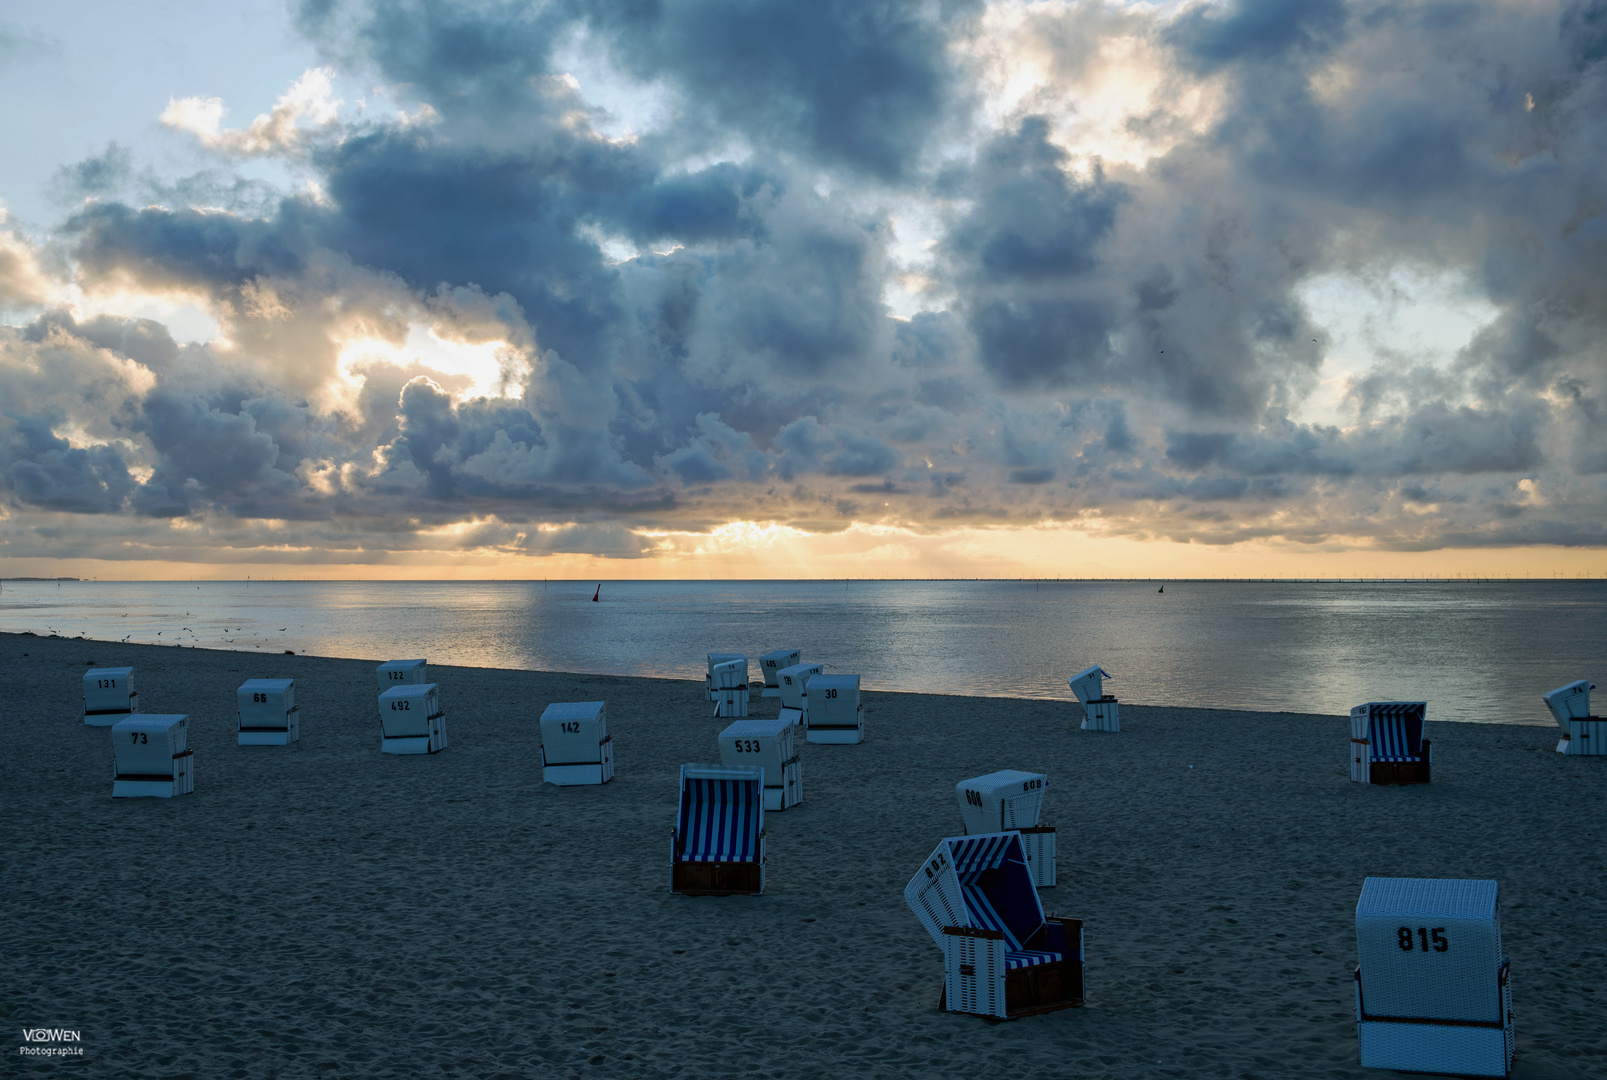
411	720
1005	800
1432	987
402	673
835	714
1101	712
1001	956
266	713
793	683
109	696
729	682
1583	735
151	757
576	747
770	665
769	745
717	845
722	658
1387	744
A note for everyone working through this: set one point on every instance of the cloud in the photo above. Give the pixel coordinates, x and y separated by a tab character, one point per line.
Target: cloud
310	105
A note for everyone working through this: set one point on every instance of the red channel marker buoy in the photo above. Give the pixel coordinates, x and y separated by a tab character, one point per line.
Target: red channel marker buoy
596	594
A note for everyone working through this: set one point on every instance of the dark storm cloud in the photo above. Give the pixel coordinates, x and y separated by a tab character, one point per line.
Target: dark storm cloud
695	319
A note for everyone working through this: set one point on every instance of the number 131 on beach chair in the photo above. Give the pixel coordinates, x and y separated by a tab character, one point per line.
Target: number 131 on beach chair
1001	956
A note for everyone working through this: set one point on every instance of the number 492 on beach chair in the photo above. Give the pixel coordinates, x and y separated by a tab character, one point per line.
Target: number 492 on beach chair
1387	744
717	846
1002	957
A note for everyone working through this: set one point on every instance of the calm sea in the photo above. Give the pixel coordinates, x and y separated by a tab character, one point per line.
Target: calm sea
1475	651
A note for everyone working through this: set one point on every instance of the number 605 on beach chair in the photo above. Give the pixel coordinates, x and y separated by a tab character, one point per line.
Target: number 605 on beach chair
1001	956
717	845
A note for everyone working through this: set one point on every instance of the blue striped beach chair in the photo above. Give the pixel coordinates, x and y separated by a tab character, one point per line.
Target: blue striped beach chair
1387	744
1002	957
717	846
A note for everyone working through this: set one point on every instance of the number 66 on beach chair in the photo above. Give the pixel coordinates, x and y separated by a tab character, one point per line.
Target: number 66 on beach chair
717	845
1001	956
1387	744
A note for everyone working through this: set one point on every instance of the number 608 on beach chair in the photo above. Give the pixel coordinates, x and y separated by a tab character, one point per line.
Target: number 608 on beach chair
717	845
1001	956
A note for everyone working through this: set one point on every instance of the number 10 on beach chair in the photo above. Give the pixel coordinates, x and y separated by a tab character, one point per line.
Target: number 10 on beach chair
1387	744
717	845
1432	988
1001	956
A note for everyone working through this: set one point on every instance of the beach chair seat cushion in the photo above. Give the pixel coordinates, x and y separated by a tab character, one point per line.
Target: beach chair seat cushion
1396	757
1030	958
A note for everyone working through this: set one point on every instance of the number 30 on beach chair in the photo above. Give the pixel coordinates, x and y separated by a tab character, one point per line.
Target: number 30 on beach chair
1002	957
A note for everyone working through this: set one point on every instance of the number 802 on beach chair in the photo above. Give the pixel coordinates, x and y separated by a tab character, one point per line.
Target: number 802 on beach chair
1387	744
717	846
1002	957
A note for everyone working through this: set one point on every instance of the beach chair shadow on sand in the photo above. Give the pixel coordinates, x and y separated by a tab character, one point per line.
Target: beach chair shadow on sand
717	846
1387	744
1002	957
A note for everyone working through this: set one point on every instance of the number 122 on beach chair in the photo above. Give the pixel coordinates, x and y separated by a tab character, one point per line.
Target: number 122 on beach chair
1433	992
1002	957
717	845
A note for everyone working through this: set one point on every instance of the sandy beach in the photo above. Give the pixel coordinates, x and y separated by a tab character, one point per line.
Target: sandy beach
326	910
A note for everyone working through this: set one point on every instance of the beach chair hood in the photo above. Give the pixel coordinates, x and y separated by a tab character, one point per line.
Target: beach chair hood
1088	684
981	882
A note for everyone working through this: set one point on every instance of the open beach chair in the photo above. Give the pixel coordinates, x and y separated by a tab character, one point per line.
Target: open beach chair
1583	735
1432	988
770	665
794	683
1005	800
717	845
151	756
109	696
1387	744
411	720
1101	712
768	744
576	747
1002	957
266	713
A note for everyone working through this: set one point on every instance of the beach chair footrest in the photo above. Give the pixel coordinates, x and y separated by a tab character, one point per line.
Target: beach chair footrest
717	878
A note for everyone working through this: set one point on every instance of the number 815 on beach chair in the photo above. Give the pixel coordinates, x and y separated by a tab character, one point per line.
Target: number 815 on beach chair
717	846
1002	957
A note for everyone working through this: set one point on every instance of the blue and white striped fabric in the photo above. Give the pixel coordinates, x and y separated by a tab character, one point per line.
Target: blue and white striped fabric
1023	959
720	820
974	854
1395	730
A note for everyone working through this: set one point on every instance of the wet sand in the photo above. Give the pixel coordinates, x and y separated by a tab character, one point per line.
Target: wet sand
326	910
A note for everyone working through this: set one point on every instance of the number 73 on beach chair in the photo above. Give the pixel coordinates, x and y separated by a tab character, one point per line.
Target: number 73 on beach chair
1002	957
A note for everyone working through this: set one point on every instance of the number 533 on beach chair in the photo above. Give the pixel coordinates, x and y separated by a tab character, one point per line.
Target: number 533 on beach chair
717	846
1001	956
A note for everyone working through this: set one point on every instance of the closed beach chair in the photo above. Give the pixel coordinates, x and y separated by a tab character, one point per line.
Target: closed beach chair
109	696
1101	712
722	658
770	745
402	673
1001	956
835	714
1006	800
266	713
1387	744
729	680
717	846
151	757
411	720
770	665
794	682
1432	987
576	747
1583	735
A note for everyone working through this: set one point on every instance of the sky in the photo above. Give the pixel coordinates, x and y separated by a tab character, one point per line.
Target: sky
739	288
